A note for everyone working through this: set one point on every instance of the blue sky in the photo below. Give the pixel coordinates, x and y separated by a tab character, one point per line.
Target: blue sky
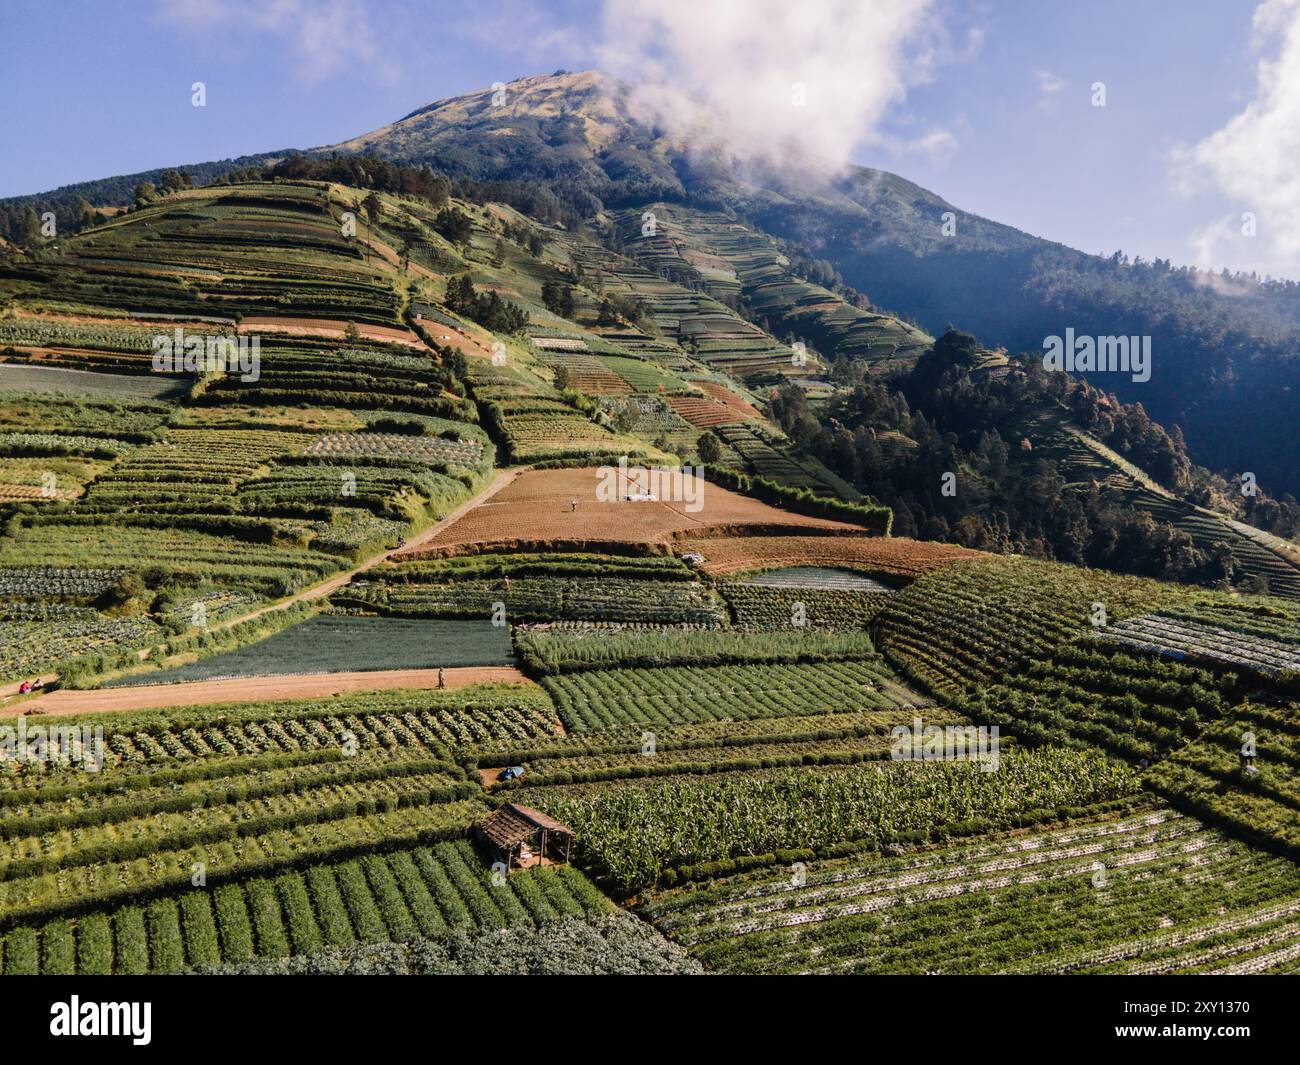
988	104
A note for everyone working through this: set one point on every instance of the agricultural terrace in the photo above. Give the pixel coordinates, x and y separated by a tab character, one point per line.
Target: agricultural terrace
537	508
338	643
1146	890
253	250
728	555
585	763
643	834
720	731
1256	801
543	586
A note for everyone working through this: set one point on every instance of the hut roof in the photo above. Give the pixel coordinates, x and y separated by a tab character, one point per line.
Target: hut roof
538	818
514	823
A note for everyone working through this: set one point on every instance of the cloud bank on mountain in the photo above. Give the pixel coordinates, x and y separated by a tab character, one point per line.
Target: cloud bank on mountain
795	86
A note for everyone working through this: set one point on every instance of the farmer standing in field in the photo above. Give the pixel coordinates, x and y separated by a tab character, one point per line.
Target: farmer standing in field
442	677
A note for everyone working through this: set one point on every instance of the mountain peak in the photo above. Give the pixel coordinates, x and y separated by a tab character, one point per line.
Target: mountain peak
593	99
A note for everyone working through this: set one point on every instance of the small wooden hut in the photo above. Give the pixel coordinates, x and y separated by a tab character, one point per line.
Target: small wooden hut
522	837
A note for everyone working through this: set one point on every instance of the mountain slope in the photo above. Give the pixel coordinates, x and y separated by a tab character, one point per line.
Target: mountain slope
1224	358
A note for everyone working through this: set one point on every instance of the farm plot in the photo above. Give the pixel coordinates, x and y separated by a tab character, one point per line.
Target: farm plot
642	375
539	587
74	541
1181	638
38	583
58	444
596	699
255	250
356	375
705	413
35	637
534	421
1093	693
191	468
580	763
22	377
636	835
543	598
725	395
428	449
728	556
652	418
133	421
1257	799
612	944
1150	891
407	722
1270	619
979	620
766	456
776	608
571	646
423	892
33	479
817	577
393	490
587	374
144	846
346	644
538	507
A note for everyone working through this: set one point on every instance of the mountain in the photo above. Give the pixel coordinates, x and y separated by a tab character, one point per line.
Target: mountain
859	274
1224	365
354	491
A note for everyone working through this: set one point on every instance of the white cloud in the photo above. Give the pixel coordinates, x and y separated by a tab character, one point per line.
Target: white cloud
1049	85
324	36
798	85
1252	160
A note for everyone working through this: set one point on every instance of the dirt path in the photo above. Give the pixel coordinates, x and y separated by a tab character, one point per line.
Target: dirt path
316	591
254	689
333	584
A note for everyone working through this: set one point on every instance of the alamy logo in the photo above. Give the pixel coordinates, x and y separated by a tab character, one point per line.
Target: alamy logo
103	1018
641	484
920	742
1131	355
198	353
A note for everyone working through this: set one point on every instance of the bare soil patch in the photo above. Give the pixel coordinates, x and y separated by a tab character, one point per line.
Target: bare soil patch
885	554
539	506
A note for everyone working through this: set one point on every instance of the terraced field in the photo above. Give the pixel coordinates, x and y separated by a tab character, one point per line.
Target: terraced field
730	555
379	898
767	607
1152	891
539	508
1268	561
727	259
818	578
553	590
24	377
682	695
252	250
1228	648
722	696
343	644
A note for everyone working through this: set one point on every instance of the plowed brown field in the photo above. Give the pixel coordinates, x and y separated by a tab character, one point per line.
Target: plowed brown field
537	506
886	554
